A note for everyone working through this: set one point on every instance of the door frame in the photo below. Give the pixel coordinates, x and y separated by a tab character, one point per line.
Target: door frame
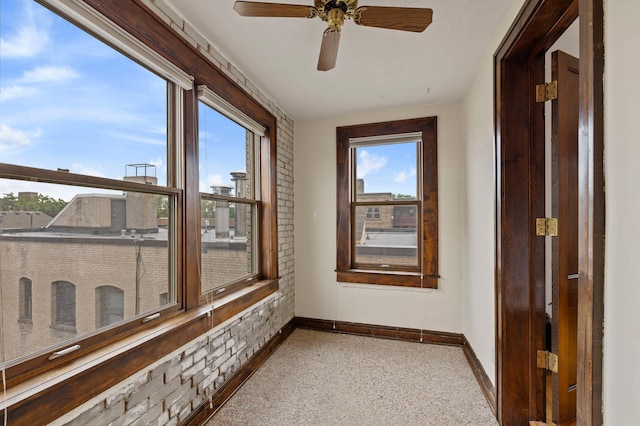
519	275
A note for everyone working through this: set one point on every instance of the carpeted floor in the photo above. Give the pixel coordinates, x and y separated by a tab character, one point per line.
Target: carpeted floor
319	378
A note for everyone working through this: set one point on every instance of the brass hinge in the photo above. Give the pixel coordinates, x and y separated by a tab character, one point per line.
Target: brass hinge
548	361
547	91
547	227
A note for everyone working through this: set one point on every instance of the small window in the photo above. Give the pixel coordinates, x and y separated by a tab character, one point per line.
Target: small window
63	305
109	305
25	299
229	196
387	203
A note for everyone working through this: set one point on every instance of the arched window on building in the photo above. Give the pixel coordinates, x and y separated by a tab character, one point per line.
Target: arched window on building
63	305
25	299
164	299
109	305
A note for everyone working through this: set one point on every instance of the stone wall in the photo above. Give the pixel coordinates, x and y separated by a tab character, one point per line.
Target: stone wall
168	390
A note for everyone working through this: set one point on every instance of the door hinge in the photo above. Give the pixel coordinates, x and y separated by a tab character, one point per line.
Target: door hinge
547	91
548	361
547	227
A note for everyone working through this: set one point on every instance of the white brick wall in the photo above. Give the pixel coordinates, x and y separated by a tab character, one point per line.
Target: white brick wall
168	390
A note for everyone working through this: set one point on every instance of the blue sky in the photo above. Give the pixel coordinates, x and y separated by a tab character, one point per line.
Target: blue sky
388	168
69	101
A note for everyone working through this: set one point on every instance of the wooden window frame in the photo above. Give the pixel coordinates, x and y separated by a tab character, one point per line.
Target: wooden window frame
426	276
31	396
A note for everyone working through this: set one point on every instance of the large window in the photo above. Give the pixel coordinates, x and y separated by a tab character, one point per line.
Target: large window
102	174
387	203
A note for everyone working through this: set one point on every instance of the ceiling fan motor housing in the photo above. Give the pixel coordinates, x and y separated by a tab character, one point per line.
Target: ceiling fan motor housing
335	11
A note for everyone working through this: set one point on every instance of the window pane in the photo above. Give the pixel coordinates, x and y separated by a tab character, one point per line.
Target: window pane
70	101
109	305
25	298
93	257
227	243
385	172
389	239
226	151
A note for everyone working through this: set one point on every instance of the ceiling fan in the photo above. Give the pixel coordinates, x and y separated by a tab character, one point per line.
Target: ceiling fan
334	12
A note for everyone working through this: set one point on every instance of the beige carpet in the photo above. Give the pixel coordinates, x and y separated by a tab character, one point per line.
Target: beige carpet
319	378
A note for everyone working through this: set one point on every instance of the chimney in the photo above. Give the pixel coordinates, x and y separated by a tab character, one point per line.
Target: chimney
240	226
141	209
360	186
222	210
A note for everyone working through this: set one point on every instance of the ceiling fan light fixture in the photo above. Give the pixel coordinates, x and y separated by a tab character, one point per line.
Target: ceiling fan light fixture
335	18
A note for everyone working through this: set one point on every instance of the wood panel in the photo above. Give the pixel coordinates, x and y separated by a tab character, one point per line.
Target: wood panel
591	213
387	332
537	26
565	245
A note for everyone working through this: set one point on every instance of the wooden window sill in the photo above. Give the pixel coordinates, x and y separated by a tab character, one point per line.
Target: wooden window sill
392	278
46	397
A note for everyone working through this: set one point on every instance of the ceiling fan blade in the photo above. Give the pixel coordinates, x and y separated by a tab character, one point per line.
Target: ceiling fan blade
395	18
275	10
329	49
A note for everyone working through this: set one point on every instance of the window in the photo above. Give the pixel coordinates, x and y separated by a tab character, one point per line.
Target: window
373	212
387	203
229	148
63	306
109	305
25	299
87	181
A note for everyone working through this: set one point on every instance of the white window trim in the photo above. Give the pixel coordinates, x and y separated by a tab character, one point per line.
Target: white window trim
213	100
91	21
385	139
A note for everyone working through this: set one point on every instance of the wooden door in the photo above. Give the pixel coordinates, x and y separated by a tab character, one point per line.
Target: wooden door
565	246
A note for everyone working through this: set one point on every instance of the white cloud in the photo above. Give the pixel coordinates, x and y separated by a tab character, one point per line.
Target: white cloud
16	92
211	180
11	138
87	170
403	175
140	139
28	41
369	163
158	162
48	73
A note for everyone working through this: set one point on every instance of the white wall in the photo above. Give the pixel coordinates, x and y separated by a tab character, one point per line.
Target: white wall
478	291
318	295
622	248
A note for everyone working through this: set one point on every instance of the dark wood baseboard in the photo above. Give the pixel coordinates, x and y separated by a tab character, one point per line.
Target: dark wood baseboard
396	333
201	414
207	409
484	381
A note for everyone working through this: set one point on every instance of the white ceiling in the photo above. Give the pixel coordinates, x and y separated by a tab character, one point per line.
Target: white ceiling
376	68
